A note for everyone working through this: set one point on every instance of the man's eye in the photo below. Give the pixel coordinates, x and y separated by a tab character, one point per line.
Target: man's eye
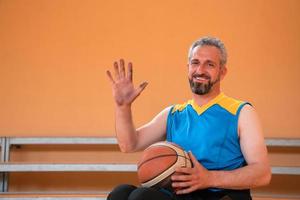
194	63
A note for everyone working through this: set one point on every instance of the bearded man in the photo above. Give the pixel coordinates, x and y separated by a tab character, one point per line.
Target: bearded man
222	135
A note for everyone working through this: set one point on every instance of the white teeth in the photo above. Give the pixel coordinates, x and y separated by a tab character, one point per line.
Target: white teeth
199	78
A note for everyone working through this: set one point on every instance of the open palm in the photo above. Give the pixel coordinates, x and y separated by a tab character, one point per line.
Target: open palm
123	88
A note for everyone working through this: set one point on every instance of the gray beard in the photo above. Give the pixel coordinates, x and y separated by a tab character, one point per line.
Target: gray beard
202	88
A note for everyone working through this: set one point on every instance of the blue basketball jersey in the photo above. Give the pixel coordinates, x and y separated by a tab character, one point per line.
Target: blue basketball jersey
209	131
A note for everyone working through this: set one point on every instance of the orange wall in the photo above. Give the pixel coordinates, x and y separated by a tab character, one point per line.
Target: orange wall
54	54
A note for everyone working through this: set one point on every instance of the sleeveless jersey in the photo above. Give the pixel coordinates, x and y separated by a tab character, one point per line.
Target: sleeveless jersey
209	131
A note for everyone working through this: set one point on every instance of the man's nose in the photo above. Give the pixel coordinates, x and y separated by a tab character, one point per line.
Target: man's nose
200	68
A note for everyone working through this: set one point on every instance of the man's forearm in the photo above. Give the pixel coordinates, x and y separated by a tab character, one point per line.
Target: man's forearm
250	176
125	130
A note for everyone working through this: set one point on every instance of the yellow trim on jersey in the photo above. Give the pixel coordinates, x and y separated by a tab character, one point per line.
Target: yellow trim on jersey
180	107
230	104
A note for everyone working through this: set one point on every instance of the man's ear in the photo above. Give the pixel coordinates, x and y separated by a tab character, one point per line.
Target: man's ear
188	67
223	71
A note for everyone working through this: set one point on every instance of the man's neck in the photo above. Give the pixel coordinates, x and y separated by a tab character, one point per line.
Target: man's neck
204	99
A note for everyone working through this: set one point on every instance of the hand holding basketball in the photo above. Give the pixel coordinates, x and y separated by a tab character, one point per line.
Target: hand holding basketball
123	88
158	163
187	180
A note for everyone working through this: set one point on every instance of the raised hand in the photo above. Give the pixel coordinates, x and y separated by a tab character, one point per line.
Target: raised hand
123	88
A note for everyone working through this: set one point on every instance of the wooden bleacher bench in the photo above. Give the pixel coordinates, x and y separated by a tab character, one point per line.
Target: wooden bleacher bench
8	166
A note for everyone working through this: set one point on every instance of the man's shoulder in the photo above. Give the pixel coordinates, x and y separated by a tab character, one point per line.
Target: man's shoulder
180	107
231	104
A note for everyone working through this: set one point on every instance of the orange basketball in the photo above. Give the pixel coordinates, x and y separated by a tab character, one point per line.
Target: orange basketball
158	163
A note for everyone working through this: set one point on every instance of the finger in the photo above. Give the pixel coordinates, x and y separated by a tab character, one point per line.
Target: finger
110	77
141	87
129	75
180	185
117	73
122	68
185	190
183	170
181	177
194	160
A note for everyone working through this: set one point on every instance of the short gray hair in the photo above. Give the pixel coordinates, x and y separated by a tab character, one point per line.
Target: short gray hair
210	41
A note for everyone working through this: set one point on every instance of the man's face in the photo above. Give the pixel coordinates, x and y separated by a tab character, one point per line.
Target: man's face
205	71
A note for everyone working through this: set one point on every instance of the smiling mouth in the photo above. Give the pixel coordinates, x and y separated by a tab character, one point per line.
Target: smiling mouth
201	79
